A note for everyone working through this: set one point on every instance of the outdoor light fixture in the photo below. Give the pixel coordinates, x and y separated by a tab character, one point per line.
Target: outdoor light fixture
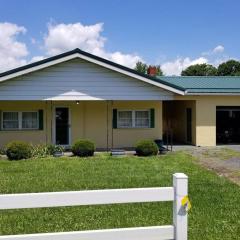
77	102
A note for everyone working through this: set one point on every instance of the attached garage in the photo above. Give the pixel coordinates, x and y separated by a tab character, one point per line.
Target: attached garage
228	125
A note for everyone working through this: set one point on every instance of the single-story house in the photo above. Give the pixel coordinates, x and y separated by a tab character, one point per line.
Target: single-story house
78	95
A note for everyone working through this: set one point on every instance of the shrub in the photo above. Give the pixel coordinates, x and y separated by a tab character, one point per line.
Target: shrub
40	150
17	150
45	150
54	148
146	148
83	148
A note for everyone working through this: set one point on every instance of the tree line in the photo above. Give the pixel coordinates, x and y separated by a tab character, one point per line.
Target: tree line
228	68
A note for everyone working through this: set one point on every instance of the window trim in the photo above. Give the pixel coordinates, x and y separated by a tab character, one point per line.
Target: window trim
134	118
19	121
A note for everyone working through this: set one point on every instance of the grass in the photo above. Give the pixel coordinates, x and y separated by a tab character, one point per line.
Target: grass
215	200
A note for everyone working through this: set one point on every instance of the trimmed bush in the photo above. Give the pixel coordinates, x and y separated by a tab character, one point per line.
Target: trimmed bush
83	148
17	150
146	148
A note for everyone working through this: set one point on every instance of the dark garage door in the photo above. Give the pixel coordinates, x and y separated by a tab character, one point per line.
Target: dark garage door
228	125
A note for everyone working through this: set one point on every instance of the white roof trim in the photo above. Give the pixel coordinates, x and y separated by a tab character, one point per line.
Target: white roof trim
89	59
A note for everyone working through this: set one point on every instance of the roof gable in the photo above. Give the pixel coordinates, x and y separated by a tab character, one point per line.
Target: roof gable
77	53
78	79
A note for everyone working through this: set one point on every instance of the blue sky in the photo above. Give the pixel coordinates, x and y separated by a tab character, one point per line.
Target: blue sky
172	33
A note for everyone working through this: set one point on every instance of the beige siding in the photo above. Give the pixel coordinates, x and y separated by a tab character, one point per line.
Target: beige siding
206	122
79	80
93	120
128	137
206	116
31	136
88	119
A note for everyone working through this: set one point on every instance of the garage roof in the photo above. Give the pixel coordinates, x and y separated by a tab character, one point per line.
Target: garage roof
205	85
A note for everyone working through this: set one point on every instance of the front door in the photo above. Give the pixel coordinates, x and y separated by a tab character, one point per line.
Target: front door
62	126
189	125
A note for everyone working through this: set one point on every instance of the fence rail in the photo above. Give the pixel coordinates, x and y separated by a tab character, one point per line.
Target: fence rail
143	233
177	231
92	197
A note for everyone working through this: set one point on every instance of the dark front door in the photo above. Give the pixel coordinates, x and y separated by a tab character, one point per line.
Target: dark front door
189	125
62	126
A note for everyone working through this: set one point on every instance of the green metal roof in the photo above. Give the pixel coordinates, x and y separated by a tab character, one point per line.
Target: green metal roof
202	84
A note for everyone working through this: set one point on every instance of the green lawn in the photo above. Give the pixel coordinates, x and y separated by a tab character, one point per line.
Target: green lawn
215	200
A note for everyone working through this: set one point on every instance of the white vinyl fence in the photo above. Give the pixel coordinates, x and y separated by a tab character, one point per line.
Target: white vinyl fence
177	231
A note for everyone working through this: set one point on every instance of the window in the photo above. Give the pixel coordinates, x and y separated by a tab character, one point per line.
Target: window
19	120
134	119
125	119
29	120
10	120
142	119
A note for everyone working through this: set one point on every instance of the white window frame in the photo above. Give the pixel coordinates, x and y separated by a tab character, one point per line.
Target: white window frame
134	118
19	121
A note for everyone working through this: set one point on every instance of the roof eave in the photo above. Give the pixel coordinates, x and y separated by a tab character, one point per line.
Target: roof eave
212	93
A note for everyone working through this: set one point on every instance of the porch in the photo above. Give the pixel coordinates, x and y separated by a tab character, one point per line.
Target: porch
110	124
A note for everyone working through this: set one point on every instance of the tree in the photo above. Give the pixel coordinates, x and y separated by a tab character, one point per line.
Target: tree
159	70
143	67
229	68
200	70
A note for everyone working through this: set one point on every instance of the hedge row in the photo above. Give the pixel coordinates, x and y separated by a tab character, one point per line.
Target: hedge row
17	150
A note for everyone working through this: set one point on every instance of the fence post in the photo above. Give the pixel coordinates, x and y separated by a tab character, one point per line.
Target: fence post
180	184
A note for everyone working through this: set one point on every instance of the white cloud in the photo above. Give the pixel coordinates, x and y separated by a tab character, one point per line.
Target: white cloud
176	66
65	37
218	49
12	51
212	56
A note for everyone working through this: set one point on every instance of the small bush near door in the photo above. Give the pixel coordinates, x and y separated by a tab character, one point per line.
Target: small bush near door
18	150
146	148
83	148
45	150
